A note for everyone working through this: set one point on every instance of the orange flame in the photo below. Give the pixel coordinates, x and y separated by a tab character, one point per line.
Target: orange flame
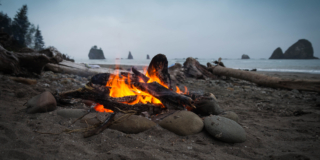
100	108
121	86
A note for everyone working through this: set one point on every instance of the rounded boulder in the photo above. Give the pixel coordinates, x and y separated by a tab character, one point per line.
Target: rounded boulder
131	124
183	123
225	129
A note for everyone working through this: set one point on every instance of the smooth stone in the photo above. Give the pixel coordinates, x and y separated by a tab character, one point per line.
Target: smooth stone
209	105
225	129
71	113
44	102
94	118
231	115
183	123
131	124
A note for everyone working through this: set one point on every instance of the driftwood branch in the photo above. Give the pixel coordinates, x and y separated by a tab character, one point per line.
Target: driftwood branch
263	80
194	69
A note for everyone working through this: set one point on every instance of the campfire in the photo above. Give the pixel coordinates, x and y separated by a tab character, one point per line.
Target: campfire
120	86
150	92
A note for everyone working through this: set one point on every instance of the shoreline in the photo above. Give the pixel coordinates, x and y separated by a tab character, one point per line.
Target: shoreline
289	75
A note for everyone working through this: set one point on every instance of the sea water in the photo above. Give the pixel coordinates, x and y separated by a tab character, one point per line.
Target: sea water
302	66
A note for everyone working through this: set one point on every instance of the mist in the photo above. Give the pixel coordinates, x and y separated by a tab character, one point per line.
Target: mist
178	29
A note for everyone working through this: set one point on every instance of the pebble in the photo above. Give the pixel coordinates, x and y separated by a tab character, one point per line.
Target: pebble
43	102
225	129
183	123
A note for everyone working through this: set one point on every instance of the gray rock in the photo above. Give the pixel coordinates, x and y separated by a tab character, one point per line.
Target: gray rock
231	115
182	123
71	113
94	118
208	105
131	124
295	91
43	102
225	129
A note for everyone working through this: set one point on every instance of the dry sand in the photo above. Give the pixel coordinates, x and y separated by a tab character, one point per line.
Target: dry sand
280	124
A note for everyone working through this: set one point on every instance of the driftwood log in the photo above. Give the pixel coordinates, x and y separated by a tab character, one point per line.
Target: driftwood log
176	73
194	69
263	80
24	64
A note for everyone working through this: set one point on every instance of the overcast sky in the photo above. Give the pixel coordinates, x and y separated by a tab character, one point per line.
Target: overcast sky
178	29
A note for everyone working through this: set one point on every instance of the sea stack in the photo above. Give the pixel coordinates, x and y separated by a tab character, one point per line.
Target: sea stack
130	55
244	56
277	54
148	56
96	53
300	50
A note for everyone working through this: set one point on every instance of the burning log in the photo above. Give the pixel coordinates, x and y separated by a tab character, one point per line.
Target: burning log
158	68
274	82
194	69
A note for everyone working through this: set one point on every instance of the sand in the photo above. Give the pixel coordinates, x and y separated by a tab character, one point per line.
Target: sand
280	124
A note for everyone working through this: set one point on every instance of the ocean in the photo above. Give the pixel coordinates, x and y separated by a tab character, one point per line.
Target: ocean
302	66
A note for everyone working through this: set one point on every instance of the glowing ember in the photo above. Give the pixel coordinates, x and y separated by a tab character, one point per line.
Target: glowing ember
100	108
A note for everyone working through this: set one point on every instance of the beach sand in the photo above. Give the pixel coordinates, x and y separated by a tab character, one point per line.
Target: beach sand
280	124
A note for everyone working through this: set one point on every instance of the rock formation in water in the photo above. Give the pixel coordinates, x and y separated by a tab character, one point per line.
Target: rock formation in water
300	50
130	55
244	56
148	56
277	54
96	53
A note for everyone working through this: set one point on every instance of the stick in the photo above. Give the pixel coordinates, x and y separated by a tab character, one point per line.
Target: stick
102	127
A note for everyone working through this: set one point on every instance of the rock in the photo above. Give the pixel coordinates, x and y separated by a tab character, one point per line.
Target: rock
231	115
43	102
132	124
130	55
244	56
94	118
148	56
224	129
295	91
20	94
277	54
71	113
182	123
96	53
253	70
208	105
300	50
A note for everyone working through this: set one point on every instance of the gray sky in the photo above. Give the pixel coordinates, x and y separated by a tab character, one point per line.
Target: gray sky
178	29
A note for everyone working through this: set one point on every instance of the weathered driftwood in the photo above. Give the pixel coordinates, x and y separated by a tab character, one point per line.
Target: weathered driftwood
194	69
23	64
263	80
67	67
159	67
176	73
